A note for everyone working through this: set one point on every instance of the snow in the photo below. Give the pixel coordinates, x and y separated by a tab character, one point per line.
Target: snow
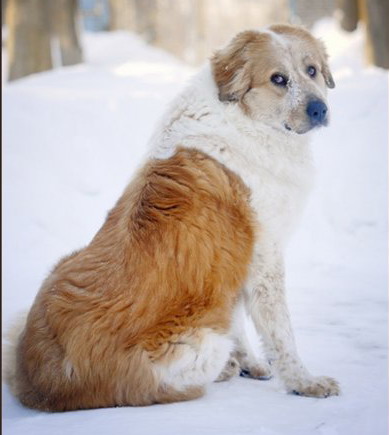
73	137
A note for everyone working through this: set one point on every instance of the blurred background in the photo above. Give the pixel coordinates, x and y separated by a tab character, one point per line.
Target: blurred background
40	34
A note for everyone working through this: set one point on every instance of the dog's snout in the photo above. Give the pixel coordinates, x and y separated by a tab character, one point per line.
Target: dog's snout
317	112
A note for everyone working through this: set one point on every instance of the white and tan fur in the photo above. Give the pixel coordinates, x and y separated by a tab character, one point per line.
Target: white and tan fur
234	155
248	135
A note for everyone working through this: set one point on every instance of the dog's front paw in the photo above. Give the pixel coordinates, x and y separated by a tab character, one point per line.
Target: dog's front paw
261	371
320	386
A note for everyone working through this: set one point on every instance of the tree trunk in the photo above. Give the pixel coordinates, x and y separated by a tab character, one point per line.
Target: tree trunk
145	11
28	40
350	16
3	8
118	11
64	19
377	29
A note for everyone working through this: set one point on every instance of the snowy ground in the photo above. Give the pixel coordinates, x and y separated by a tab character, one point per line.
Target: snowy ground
72	139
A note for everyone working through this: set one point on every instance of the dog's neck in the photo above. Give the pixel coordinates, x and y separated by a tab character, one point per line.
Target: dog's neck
252	150
198	112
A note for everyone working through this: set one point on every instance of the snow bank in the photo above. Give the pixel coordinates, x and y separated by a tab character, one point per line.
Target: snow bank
73	138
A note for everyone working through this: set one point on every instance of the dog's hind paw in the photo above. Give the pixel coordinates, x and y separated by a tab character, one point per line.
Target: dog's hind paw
257	371
231	369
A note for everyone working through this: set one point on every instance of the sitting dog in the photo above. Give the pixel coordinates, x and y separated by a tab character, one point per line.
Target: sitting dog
151	311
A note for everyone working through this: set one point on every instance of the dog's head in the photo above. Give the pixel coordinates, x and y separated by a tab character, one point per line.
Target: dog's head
278	77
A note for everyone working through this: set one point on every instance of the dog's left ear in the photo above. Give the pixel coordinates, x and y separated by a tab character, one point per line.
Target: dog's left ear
325	69
231	69
327	75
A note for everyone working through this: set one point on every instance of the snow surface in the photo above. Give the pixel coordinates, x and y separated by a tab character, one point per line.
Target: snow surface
72	139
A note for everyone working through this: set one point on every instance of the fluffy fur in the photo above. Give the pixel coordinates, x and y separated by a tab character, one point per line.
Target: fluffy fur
151	311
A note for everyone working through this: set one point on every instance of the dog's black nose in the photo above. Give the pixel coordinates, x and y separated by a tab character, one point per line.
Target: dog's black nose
317	112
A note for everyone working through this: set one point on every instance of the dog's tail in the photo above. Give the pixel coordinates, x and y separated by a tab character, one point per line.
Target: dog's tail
10	342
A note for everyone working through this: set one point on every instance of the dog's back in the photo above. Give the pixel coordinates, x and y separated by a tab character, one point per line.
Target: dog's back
154	289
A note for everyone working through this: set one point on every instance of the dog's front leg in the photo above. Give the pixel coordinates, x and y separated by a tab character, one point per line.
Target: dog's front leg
266	302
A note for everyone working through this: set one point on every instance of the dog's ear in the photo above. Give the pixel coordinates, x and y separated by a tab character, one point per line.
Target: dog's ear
325	69
327	75
231	69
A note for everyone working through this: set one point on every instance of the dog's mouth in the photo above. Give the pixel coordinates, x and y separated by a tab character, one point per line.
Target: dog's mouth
303	130
289	128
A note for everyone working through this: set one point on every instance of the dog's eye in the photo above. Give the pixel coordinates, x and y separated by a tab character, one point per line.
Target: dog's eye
279	79
311	71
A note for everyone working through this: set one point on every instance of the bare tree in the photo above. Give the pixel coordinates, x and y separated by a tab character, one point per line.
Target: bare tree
64	15
145	11
32	25
374	13
377	13
350	18
28	40
3	6
134	15
121	14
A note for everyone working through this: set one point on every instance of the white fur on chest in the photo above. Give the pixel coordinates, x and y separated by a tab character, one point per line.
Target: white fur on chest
275	165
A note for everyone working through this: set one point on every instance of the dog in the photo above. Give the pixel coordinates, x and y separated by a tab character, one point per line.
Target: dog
152	310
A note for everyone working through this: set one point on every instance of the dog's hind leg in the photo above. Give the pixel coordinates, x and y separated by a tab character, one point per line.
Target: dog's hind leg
190	362
231	369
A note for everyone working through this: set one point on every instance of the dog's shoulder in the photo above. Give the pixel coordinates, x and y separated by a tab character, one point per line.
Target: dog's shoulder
173	186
